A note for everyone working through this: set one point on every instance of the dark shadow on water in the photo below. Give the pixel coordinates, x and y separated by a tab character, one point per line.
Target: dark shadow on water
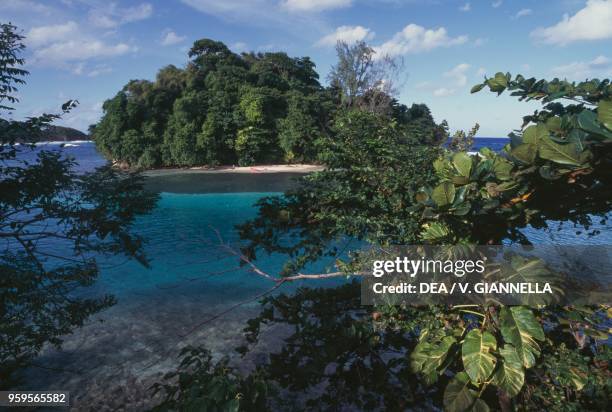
197	182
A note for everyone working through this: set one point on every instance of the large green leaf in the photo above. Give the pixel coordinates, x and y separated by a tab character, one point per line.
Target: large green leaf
458	397
510	375
477	88
502	168
567	154
444	194
534	134
435	232
525	153
428	358
480	406
442	167
498	83
520	328
591	123
478	360
604	113
463	163
530	269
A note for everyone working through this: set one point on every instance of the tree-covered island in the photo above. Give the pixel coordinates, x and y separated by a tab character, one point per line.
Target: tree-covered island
225	108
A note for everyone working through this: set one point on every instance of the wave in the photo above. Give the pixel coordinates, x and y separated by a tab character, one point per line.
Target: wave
68	144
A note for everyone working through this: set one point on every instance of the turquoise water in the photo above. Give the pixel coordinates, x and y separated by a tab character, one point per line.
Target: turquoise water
185	253
183	248
188	262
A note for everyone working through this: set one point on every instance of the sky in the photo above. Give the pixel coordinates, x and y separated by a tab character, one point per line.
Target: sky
88	49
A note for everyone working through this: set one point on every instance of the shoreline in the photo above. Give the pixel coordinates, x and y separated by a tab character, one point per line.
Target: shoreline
259	169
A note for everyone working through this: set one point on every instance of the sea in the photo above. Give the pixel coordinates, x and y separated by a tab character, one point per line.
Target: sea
195	291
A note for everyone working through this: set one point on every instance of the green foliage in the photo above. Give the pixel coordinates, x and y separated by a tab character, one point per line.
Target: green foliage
462	142
520	328
477	354
510	375
569	380
222	108
557	168
11	44
202	385
366	193
44	200
225	108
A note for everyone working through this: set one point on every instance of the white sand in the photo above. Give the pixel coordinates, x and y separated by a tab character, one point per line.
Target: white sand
292	168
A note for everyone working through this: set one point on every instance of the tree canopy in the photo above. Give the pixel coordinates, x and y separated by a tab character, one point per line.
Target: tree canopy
228	108
44	201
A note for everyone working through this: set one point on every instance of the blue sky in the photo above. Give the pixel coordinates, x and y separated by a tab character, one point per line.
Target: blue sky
88	49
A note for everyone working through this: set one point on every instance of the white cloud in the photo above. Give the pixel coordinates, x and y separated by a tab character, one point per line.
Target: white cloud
100	70
481	71
24	5
226	6
466	7
39	36
81	68
443	92
111	16
458	74
315	5
349	34
480	41
523	13
416	39
251	12
239	47
78	69
453	81
78	50
496	4
169	38
593	22
579	70
66	46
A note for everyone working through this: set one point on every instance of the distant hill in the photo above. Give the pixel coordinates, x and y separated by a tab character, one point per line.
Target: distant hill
62	134
22	133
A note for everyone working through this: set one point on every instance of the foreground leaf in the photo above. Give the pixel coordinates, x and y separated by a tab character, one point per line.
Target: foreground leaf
604	113
458	397
520	328
428	358
510	375
567	154
444	194
478	360
463	163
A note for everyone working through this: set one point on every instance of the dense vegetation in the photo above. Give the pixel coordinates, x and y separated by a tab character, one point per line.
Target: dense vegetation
343	356
224	108
43	201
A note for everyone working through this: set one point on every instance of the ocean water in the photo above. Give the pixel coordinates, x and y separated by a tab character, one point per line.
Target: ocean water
181	232
493	143
194	292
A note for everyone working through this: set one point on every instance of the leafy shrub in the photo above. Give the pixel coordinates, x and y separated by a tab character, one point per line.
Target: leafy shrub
201	385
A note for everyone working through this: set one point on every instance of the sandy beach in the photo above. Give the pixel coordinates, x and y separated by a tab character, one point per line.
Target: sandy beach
260	169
